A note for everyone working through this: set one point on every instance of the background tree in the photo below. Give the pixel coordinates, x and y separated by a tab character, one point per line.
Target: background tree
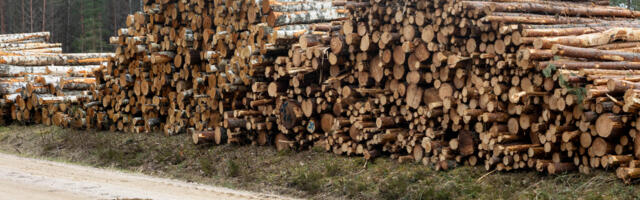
80	25
631	4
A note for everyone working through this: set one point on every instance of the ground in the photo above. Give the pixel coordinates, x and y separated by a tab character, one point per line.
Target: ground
308	174
28	178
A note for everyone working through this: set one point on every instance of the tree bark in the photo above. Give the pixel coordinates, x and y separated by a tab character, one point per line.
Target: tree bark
577	65
44	13
594	54
77	71
520	18
60	59
292	6
565	9
31	15
27	46
304	17
589	40
16	38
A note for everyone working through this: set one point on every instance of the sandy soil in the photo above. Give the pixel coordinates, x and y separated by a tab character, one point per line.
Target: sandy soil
25	178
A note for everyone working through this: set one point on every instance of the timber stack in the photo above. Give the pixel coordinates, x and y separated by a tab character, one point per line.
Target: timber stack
191	66
42	85
507	84
302	31
546	85
548	105
457	82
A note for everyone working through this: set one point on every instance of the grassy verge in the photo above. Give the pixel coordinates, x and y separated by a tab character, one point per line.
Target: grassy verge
309	174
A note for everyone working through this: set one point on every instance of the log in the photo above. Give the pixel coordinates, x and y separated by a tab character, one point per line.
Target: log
589	40
577	65
200	137
627	173
12	38
594	54
304	17
62	59
609	125
565	9
519	18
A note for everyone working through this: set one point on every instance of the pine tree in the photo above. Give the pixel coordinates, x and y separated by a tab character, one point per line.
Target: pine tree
631	4
92	37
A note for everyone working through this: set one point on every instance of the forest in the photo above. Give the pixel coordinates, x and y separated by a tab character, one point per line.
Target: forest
86	25
80	25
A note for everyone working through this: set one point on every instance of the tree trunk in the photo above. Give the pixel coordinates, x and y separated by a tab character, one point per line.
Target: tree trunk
519	18
589	40
594	54
27	46
82	27
17	38
2	25
560	9
73	71
304	17
31	15
577	65
44	13
24	27
286	6
61	59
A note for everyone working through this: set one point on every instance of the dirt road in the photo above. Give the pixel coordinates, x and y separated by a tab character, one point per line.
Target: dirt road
25	178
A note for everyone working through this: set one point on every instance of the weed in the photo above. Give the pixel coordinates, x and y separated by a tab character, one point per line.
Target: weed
207	167
318	149
233	169
360	162
306	179
285	152
394	187
110	155
354	186
331	169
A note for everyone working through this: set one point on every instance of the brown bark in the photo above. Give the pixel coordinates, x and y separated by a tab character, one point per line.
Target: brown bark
594	54
555	9
519	18
589	40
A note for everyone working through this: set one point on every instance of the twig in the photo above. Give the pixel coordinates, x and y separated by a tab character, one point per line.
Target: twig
615	100
485	175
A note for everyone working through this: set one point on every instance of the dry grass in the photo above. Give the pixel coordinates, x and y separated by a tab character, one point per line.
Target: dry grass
309	174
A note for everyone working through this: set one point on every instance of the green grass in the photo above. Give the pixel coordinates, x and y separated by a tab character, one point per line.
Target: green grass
308	174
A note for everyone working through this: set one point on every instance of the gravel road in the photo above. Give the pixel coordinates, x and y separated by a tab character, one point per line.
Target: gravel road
26	178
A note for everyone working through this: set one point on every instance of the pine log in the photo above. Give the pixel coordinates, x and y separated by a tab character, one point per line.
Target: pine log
589	40
566	9
594	54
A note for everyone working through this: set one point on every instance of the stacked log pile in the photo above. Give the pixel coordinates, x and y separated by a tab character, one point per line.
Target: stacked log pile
191	66
42	85
156	80
293	83
545	85
438	83
547	81
601	131
507	84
